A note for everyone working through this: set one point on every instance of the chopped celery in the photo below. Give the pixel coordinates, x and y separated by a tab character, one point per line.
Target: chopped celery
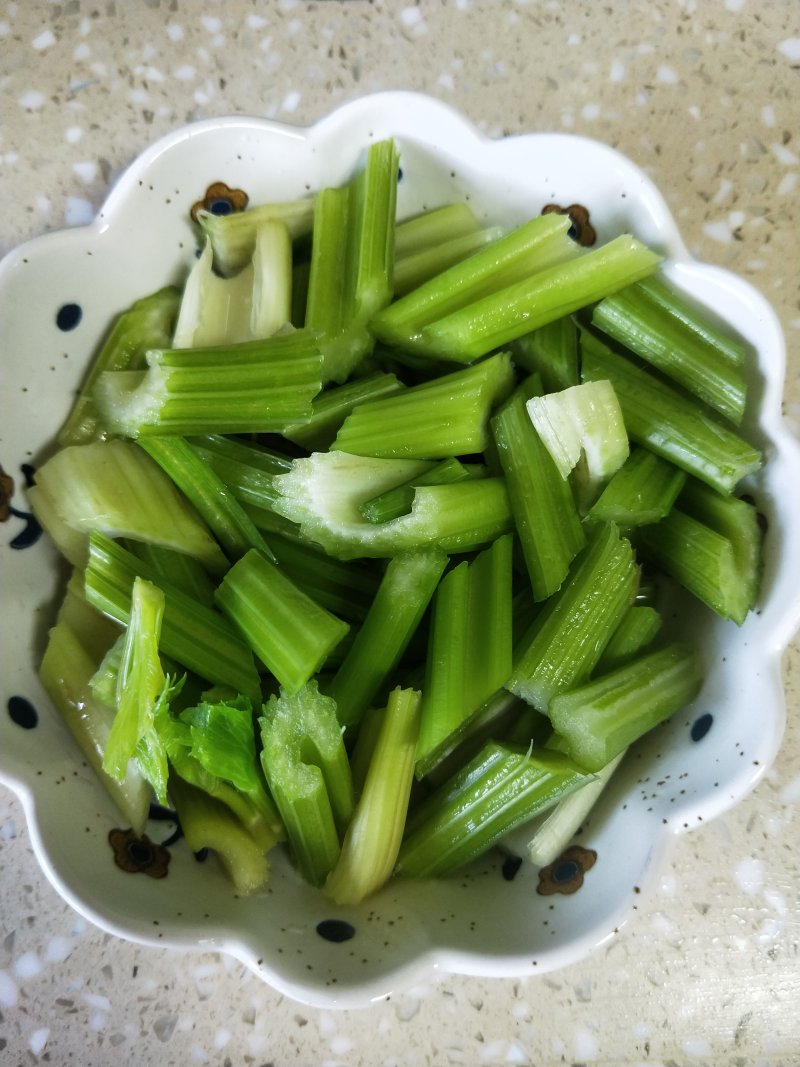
469	651
637	628
720	571
400	602
214	310
543	296
430	229
324	492
217	505
193	635
330	408
346	589
561	824
208	823
582	422
179	570
415	269
639	323
233	236
254	387
447	416
272	279
222	740
568	635
552	351
545	515
67	667
398	501
493	718
290	633
143	693
643	490
146	324
500	788
671	424
537	244
246	469
306	767
114	487
352	257
601	718
372	840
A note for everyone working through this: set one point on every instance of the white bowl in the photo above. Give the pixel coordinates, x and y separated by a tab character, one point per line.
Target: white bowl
483	922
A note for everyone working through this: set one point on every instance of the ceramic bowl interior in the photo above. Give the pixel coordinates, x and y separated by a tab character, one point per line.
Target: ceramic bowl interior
58	295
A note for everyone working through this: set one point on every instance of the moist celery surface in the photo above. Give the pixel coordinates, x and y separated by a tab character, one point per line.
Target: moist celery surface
358	523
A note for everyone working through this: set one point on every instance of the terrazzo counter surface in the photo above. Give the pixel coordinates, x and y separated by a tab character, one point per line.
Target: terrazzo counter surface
702	95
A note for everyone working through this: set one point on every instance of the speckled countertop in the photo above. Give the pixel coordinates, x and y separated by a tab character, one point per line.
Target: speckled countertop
702	94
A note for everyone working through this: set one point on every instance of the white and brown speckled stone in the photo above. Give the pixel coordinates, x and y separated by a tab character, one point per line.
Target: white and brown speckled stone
704	97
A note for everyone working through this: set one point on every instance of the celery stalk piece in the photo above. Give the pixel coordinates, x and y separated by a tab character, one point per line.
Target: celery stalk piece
413	270
469	652
500	788
345	589
143	693
114	487
147	324
663	341
568	635
561	824
214	310
290	633
233	236
695	320
215	503
331	407
533	246
255	387
584	421
702	560
372	840
306	767
670	423
547	294
179	570
449	648
552	351
328	303
272	279
95	631
65	671
405	591
637	629
208	823
429	229
396	502
492	719
643	490
601	718
176	739
367	738
193	635
246	469
352	257
545	515
323	494
447	416
222	740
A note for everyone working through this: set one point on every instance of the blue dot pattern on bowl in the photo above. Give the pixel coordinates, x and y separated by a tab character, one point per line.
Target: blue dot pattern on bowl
701	726
69	316
22	712
336	930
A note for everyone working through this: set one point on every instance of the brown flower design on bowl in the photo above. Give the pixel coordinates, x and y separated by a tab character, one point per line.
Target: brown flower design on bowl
220	199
